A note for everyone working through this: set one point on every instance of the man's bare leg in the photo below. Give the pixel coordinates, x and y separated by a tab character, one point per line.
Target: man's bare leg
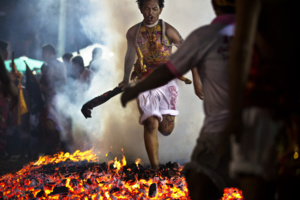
151	141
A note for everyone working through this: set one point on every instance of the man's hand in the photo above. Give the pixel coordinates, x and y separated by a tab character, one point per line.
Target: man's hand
125	96
123	85
129	94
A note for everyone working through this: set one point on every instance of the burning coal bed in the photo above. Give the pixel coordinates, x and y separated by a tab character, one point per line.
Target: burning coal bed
80	176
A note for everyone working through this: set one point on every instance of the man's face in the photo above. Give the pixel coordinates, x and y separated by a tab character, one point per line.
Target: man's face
151	11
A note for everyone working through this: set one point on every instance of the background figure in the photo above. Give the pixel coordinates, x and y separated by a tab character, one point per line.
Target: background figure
69	91
97	60
18	130
83	78
151	40
3	50
70	77
8	90
18	120
7	86
208	49
69	70
82	74
264	93
52	82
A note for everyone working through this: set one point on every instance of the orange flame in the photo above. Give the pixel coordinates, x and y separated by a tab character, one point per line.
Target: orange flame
61	157
137	162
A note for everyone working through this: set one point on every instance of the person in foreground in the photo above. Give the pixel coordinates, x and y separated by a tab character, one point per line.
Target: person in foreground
151	40
207	48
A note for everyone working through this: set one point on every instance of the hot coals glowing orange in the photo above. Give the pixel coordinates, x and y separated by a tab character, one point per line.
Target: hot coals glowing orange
80	176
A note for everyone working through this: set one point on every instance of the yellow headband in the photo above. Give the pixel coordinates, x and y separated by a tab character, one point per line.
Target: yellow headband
224	3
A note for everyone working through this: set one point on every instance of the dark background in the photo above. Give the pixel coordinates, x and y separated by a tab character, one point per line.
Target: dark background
26	25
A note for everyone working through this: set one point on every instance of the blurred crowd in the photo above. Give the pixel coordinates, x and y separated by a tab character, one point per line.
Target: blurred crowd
31	122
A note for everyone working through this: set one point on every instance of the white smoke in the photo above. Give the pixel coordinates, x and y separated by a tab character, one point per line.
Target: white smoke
112	127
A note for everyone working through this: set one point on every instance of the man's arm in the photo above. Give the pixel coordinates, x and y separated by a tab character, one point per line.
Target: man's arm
174	35
176	39
197	83
129	57
157	78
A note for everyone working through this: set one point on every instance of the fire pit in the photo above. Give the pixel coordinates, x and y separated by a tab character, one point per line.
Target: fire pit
81	176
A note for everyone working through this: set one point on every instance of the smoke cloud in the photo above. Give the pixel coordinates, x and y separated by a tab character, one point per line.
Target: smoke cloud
113	128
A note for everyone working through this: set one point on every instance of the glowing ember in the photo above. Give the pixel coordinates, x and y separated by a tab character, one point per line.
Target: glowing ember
78	176
232	194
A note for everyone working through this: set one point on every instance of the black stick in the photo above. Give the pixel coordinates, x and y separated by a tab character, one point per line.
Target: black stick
97	101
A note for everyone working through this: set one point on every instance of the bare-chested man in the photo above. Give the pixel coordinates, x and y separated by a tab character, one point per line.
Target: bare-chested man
152	41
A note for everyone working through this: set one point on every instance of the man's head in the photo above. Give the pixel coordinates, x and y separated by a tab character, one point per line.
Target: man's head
97	53
48	52
3	49
67	57
151	9
224	6
77	64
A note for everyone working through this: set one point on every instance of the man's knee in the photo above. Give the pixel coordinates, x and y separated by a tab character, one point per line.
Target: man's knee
167	125
151	124
166	131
